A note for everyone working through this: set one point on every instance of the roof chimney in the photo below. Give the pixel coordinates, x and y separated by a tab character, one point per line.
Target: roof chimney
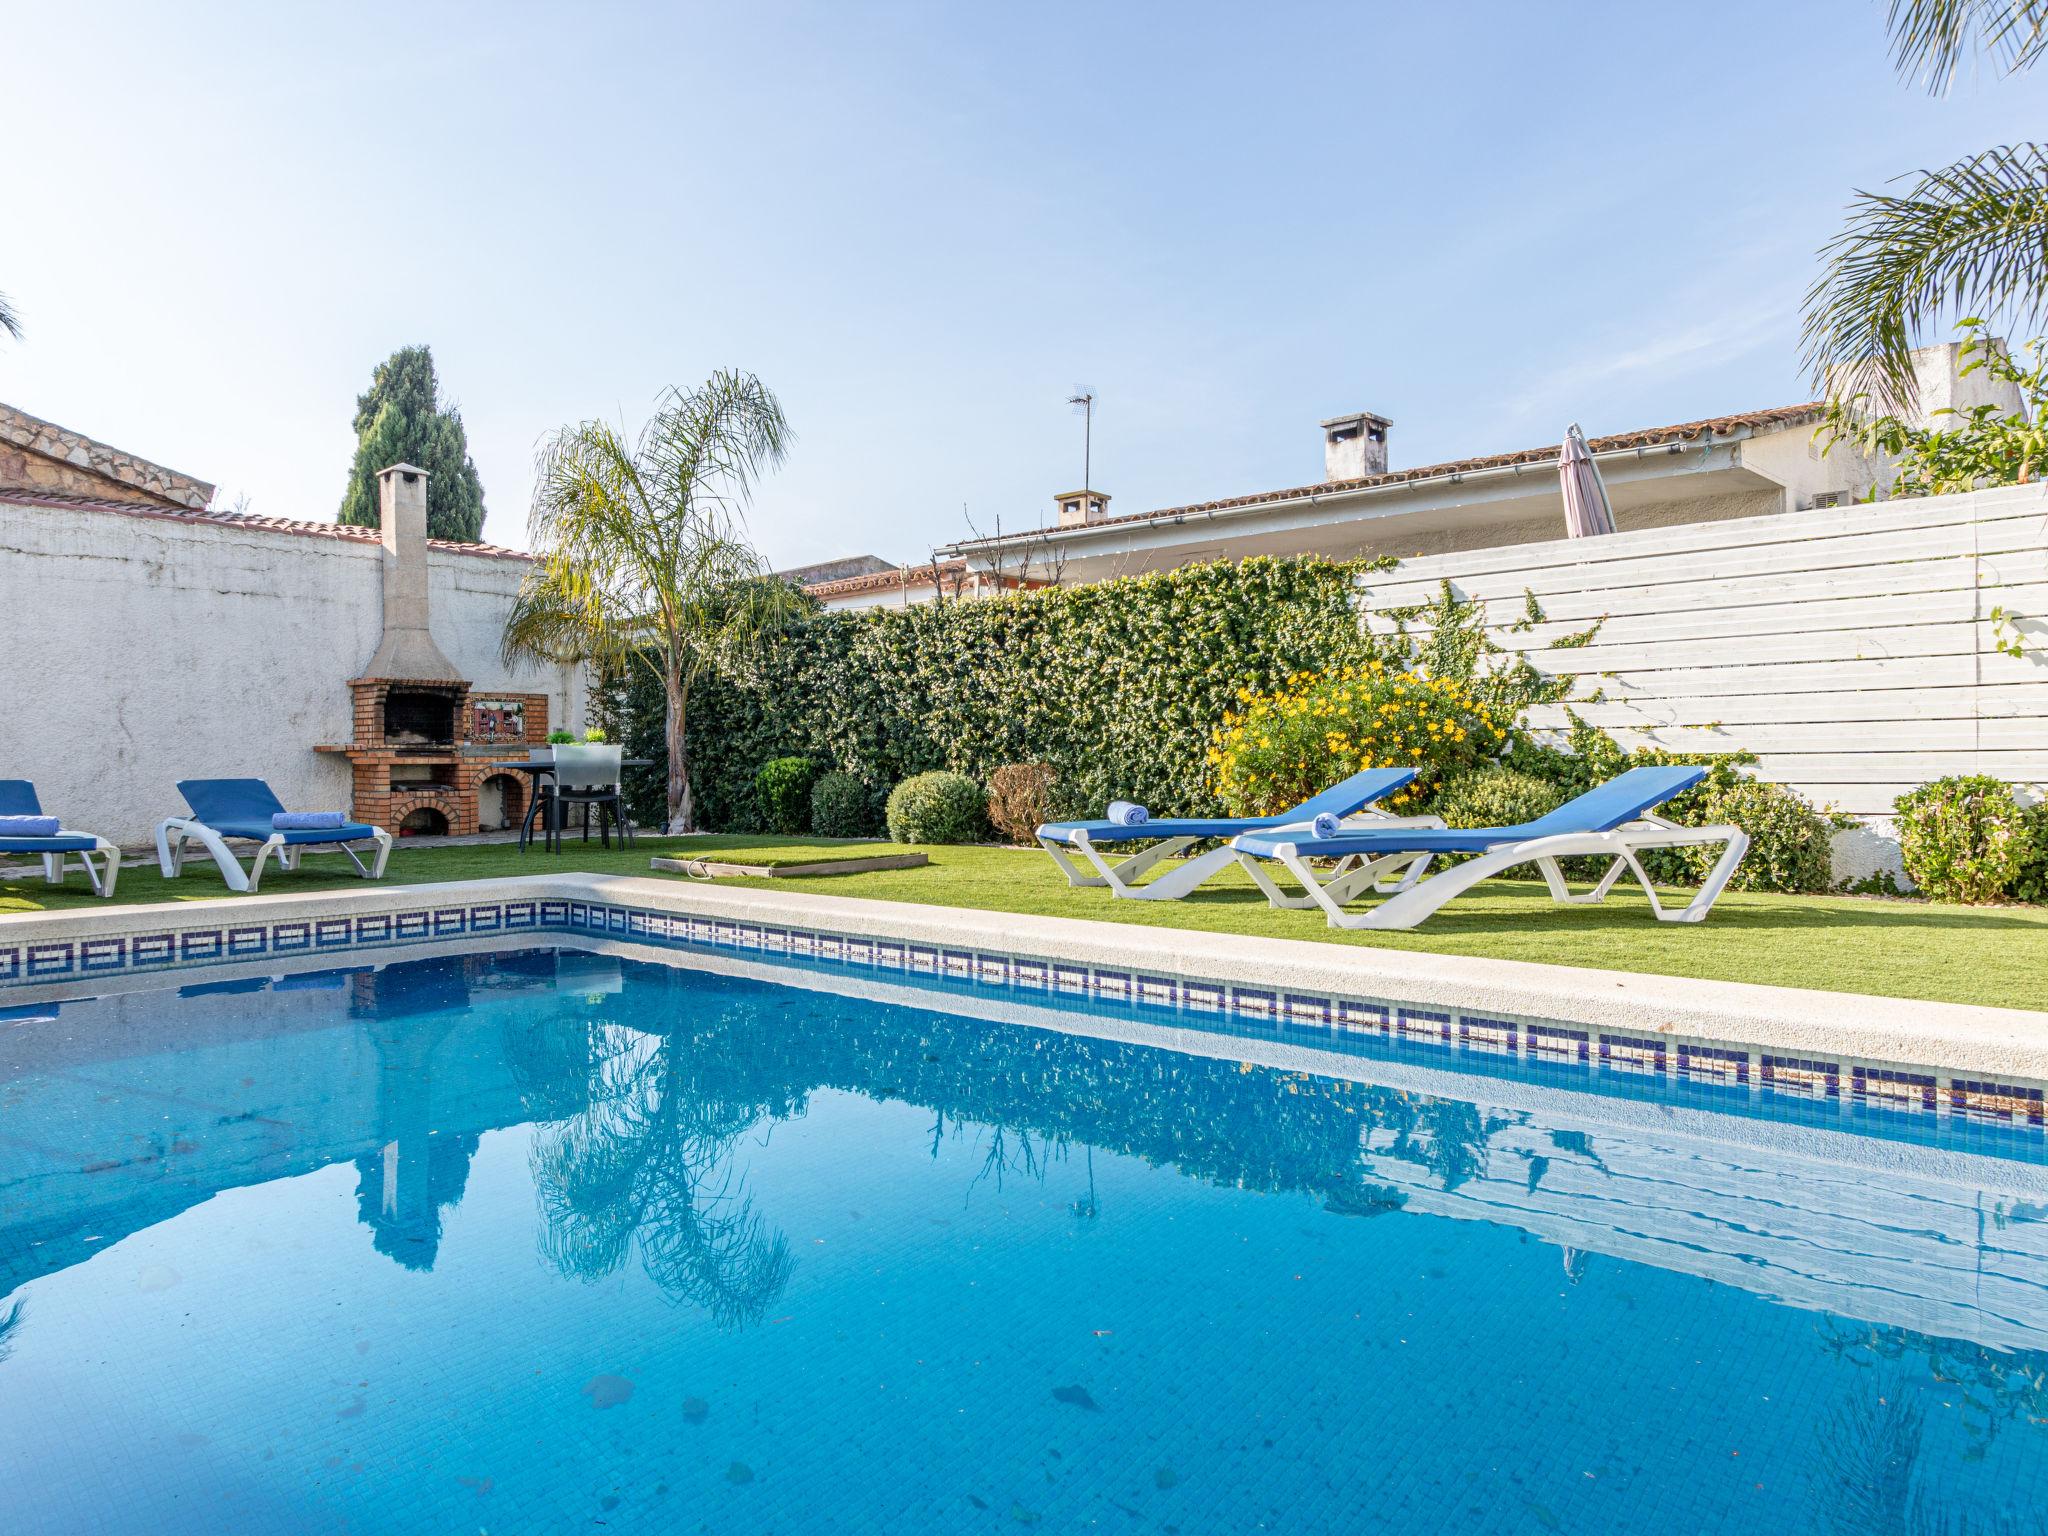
1082	506
407	651
1355	446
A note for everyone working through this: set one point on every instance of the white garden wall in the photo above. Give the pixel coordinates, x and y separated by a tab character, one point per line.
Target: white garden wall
1854	649
140	650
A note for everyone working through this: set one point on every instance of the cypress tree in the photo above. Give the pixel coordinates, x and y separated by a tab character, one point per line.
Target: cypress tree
401	419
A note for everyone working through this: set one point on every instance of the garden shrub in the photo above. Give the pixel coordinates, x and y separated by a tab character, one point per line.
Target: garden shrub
783	790
2031	883
1588	757
938	807
1494	796
1963	838
1276	749
1020	799
842	806
1790	841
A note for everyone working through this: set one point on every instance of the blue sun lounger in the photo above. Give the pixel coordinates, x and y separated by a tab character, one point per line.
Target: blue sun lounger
246	810
1163	839
1613	821
55	845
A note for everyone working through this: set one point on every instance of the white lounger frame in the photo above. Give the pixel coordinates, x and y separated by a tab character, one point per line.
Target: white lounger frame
173	831
1122	877
103	878
1413	903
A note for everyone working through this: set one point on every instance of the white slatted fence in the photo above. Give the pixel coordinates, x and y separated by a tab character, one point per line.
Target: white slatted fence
1853	649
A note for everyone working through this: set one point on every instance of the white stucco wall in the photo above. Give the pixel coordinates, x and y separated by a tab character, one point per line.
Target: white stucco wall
141	650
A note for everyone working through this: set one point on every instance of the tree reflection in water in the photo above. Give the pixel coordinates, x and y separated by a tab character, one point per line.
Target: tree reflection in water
647	1164
1992	1387
1869	1452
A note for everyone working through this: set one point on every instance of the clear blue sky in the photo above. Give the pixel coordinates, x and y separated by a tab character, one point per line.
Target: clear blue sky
923	224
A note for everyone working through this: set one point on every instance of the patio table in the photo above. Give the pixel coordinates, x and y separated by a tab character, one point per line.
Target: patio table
544	768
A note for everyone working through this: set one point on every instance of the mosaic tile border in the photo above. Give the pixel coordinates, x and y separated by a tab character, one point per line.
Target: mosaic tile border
1657	1065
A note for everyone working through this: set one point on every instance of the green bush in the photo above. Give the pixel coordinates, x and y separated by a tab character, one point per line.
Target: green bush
2031	884
936	808
783	789
1963	838
1790	841
842	806
1495	797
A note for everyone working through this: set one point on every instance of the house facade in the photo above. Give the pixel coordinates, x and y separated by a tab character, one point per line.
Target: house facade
1746	464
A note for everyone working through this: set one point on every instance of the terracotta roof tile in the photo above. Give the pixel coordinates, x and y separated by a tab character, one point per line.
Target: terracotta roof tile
1648	437
886	581
344	531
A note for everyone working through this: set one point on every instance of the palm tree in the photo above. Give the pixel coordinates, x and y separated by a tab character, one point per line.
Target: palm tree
1973	234
642	553
10	320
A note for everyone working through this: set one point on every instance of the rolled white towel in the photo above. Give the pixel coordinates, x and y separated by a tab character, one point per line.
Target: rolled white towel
1326	824
1128	813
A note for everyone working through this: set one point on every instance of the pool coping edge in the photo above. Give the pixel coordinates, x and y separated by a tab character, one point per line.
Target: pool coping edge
1954	1036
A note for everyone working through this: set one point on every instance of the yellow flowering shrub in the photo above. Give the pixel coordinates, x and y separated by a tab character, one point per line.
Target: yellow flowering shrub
1274	750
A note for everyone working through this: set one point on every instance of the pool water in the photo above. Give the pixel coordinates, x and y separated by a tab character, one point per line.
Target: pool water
551	1240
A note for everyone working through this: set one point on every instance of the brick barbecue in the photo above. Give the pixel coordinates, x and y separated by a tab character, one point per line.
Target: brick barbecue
423	740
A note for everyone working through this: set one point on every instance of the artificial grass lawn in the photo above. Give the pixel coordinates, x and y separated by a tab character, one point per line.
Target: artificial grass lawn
421	863
1834	943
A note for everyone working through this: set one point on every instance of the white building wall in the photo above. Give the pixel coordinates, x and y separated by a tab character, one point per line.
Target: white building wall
142	650
1539	530
1807	465
1854	649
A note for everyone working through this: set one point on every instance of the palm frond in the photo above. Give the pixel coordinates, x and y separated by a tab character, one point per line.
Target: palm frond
641	553
708	446
1972	236
1931	38
10	318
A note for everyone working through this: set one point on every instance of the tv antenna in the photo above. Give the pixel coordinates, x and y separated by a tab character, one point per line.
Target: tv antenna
1083	402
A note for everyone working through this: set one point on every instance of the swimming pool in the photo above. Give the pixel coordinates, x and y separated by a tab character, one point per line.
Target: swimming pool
559	1238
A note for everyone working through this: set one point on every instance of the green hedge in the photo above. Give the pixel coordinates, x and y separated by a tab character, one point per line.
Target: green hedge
1115	685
